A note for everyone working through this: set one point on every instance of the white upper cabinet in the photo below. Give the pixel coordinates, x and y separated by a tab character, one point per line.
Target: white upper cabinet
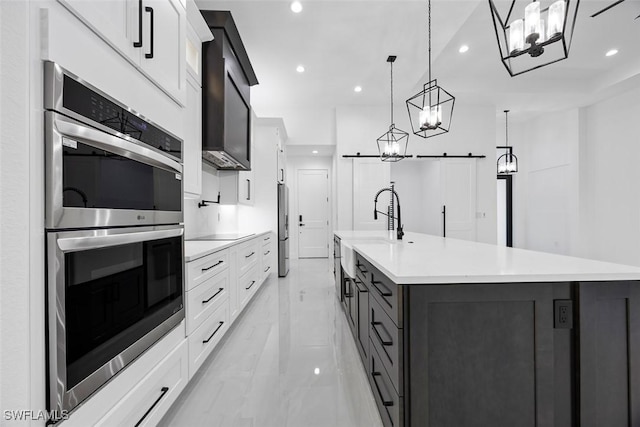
192	149
148	33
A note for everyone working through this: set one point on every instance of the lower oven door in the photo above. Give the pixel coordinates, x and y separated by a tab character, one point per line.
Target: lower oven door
111	294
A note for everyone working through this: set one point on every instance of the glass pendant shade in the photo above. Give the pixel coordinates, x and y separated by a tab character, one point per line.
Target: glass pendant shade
556	18
533	34
430	110
392	145
516	36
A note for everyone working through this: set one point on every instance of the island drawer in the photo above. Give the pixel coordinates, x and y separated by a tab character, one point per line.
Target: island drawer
381	288
205	299
387	340
248	254
390	405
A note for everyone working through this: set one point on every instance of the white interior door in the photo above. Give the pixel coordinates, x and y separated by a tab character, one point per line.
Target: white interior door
313	213
458	197
369	176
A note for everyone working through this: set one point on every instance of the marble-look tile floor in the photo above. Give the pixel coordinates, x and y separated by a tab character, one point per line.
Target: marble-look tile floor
289	361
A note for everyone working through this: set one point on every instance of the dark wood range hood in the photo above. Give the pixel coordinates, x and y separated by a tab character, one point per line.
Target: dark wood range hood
226	108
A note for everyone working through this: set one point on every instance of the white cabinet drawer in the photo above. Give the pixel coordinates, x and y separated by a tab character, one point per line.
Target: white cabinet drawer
203	340
205	298
146	404
248	284
201	269
248	255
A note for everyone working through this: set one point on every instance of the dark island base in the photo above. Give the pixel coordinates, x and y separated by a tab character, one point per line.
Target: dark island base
498	354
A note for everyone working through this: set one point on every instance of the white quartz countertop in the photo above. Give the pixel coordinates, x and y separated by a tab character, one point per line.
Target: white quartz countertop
194	249
421	258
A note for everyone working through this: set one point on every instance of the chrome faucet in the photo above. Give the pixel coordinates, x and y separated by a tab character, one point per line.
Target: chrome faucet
399	231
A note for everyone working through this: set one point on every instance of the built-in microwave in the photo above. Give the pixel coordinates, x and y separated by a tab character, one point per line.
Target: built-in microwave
105	165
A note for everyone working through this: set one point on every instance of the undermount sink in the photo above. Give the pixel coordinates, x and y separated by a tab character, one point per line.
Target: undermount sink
348	254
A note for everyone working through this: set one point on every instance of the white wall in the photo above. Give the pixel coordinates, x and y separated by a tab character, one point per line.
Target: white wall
546	187
260	216
306	125
473	130
611	145
295	163
575	191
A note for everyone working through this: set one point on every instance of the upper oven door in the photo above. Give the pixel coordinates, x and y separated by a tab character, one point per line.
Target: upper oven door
94	179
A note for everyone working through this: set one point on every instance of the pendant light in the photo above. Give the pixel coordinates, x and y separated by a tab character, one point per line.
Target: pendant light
431	109
532	36
508	162
392	145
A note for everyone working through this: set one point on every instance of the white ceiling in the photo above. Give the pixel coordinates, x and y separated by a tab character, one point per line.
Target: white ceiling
344	43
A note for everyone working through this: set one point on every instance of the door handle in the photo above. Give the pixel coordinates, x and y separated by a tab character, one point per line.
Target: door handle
139	42
444	221
150	54
248	189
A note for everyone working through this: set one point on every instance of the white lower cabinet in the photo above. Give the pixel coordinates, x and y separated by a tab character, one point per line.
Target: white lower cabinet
206	298
203	340
150	399
267	257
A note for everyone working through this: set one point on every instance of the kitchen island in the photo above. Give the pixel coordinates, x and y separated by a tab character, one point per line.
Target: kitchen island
457	333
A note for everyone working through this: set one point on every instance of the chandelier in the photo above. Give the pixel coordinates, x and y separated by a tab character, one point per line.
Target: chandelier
532	36
508	162
431	109
392	145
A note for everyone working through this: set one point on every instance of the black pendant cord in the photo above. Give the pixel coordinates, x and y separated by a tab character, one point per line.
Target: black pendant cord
392	124
506	133
429	29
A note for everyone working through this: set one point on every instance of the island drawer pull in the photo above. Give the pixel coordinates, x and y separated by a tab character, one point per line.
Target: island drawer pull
362	269
250	255
267	238
214	265
267	253
267	269
214	332
252	282
163	391
384	402
386	293
213	296
382	341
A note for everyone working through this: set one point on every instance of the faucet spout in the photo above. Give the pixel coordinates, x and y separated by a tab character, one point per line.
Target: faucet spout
399	228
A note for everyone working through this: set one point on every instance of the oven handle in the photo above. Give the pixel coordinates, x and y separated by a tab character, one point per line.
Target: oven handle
72	244
113	144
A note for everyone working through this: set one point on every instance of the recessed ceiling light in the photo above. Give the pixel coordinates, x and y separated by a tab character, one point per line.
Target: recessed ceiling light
296	7
300	68
463	48
315	151
316	371
612	52
357	89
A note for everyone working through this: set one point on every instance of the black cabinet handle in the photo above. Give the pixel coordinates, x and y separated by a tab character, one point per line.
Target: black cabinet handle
266	239
163	391
213	296
382	341
252	282
139	42
214	332
362	269
348	295
384	402
150	54
385	293
214	265
282	174
248	189
267	253
250	255
268	268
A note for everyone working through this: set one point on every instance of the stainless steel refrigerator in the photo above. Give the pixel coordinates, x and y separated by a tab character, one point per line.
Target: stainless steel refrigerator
283	230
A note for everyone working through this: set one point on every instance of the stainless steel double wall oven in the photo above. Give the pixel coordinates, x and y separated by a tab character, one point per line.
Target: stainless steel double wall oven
114	236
